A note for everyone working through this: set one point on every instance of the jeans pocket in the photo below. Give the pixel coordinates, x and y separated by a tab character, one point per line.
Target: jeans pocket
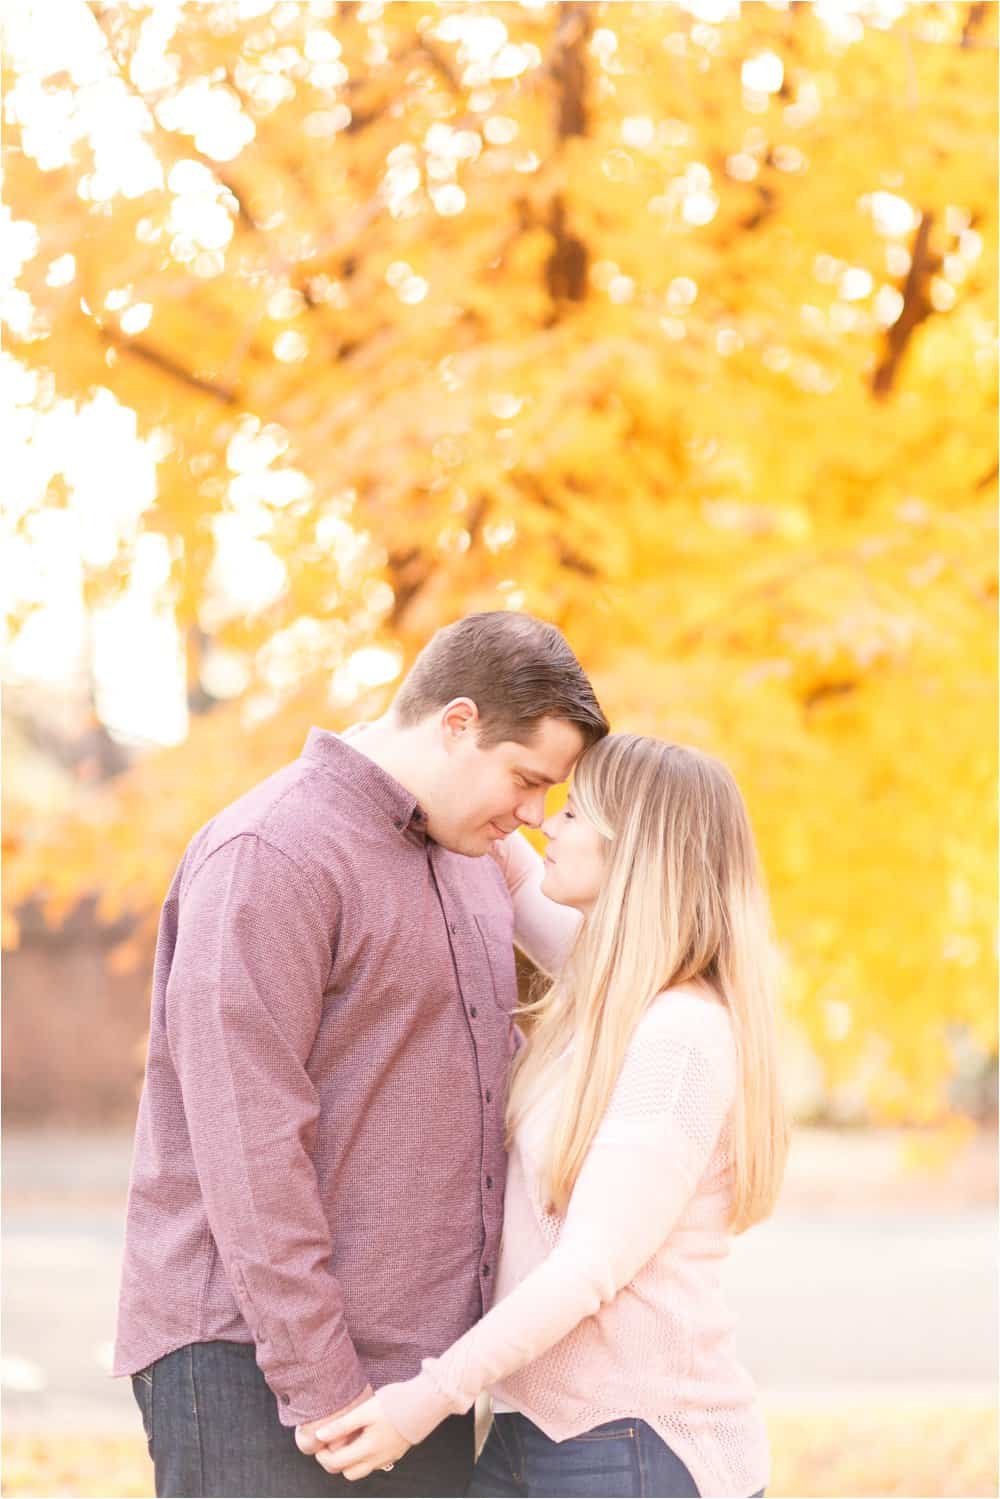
601	1462
142	1389
609	1432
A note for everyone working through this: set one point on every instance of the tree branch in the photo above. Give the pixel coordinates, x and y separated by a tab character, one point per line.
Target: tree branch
168	366
103	13
440	64
973	20
566	267
917	307
569	69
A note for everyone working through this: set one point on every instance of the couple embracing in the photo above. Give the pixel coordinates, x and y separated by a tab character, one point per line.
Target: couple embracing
361	1195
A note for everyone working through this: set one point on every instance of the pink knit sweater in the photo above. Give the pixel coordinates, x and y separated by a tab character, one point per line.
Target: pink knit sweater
615	1308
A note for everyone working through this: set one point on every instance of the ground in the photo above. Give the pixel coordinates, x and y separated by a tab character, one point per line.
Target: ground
866	1307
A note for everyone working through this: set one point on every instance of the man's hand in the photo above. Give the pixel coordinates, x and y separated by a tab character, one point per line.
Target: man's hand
305	1435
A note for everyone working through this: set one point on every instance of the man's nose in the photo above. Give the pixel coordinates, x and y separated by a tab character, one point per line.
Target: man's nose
532	810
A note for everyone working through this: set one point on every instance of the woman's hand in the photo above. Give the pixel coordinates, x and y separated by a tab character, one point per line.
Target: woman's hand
499	852
374	1443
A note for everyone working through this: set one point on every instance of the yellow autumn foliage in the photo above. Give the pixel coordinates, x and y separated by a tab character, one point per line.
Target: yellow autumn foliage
672	323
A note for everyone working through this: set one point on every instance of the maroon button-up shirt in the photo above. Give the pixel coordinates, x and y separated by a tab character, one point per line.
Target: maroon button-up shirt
319	1158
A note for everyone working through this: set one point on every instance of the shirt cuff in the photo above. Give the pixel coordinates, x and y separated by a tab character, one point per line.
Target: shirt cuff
415	1407
316	1393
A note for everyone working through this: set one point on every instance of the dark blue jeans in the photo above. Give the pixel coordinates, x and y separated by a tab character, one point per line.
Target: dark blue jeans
212	1427
619	1458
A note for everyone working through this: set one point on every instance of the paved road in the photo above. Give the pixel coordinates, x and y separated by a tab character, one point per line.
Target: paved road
898	1302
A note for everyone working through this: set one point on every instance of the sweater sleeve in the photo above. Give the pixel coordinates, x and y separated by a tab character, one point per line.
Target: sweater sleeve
543	929
657	1137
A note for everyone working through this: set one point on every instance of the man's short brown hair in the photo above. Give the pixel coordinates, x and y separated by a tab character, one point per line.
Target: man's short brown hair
515	668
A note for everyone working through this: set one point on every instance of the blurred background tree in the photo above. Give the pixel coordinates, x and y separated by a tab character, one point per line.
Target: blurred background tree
672	323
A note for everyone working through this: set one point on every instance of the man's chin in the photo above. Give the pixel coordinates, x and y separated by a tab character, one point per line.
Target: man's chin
472	845
487	838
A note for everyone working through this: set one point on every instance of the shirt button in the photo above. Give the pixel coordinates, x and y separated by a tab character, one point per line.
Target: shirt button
285	1399
489	1096
489	1182
454	930
486	1269
473	1012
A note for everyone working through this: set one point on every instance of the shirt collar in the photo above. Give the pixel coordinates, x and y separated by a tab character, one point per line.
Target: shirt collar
336	754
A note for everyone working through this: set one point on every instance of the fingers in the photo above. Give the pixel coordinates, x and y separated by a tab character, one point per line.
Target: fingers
336	1431
310	1436
346	1459
309	1442
347	1425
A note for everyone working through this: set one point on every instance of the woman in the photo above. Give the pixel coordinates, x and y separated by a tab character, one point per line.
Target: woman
645	1125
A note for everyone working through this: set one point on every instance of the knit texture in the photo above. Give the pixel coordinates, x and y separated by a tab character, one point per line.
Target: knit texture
615	1308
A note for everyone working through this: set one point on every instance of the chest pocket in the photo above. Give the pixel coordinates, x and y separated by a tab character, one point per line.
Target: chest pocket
497	939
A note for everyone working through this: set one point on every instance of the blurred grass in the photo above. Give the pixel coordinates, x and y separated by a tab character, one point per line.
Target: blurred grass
848	1448
79	1465
871	1447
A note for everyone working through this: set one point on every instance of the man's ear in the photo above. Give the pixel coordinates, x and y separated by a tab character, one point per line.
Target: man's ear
459	719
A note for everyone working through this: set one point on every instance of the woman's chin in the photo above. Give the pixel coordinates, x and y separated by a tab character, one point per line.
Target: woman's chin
551	890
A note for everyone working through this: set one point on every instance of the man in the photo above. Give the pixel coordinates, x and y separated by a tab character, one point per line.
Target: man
317	1185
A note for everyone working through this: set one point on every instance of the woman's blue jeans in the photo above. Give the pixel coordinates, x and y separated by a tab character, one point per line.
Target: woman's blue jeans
621	1457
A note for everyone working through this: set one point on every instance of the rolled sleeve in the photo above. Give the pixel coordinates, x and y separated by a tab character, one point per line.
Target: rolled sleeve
243	1004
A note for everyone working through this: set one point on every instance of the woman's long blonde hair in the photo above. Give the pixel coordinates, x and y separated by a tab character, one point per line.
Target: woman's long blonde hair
682	901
